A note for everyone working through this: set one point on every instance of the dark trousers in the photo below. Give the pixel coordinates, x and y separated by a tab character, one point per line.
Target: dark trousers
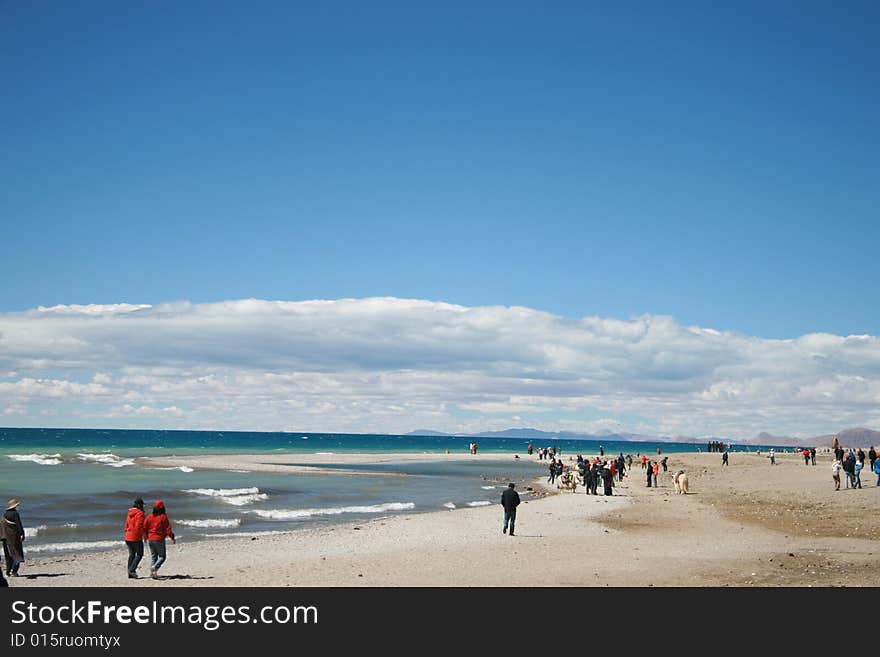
12	564
157	551
135	554
509	518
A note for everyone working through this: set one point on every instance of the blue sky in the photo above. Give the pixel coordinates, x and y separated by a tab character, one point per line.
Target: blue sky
718	164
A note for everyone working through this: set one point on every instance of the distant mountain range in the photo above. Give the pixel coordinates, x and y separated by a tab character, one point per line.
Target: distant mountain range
857	437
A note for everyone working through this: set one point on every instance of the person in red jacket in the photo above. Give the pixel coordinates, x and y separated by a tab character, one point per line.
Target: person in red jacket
157	528
134	536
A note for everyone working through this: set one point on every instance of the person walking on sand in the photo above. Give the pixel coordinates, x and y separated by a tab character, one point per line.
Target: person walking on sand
134	536
12	535
724	459
656	471
509	500
552	478
650	471
876	469
813	455
857	474
158	528
872	457
835	474
848	470
644	461
772	457
608	480
663	462
530	449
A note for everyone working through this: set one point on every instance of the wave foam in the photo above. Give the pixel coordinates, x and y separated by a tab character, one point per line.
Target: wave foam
106	459
479	503
74	547
449	505
222	492
268	532
42	459
211	522
296	514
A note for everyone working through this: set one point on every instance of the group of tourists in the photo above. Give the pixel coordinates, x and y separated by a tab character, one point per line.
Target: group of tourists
715	446
852	463
154	528
545	453
139	527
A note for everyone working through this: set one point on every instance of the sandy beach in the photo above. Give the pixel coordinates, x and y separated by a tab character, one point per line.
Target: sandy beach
749	524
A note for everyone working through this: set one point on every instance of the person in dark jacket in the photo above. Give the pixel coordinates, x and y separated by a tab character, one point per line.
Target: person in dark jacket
12	535
509	500
650	473
872	456
552	478
596	475
134	536
157	528
608	480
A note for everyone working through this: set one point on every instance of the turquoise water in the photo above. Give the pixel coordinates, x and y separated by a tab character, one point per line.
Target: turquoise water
77	484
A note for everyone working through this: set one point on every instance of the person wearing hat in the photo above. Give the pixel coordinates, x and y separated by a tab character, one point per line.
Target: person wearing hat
134	536
12	535
157	527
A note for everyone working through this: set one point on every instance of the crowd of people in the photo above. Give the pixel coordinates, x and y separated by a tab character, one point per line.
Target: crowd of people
591	473
851	463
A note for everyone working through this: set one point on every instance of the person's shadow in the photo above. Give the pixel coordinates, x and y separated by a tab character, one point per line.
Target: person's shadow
163	577
38	575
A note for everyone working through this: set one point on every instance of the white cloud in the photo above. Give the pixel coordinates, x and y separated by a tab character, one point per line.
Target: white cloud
393	365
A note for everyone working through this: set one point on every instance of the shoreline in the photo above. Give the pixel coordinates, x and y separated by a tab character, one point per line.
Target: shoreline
749	524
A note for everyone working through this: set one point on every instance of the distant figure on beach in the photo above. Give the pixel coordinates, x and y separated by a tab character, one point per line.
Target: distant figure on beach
806	455
872	457
608	480
835	474
12	535
509	500
857	473
601	451
724	459
849	469
650	472
552	478
530	449
644	461
663	463
629	461
813	455
158	528
134	536
876	470
772	457
656	471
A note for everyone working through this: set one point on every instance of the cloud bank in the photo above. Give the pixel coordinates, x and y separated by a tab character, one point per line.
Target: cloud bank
394	365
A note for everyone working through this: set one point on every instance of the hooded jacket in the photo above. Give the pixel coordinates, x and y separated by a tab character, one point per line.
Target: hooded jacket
134	524
157	527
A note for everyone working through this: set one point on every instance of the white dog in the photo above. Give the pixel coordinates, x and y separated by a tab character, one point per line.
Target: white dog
680	481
